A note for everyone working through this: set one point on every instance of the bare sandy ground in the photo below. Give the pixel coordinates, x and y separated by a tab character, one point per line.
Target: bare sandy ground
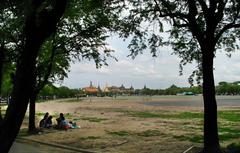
105	127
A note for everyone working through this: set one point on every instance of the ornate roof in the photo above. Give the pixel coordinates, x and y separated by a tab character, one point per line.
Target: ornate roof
90	89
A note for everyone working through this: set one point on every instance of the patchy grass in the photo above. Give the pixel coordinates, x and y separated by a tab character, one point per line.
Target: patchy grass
94	119
150	130
228	133
75	100
150	133
225	134
145	114
68	115
190	115
193	138
40	114
119	133
77	119
228	127
165	114
89	138
230	115
147	133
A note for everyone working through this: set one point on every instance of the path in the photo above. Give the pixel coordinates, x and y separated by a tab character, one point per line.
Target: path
29	147
24	148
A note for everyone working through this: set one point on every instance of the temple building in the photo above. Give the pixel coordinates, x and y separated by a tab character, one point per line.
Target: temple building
118	90
91	90
107	91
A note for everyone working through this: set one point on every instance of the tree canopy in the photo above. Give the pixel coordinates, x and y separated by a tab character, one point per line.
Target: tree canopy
183	25
39	20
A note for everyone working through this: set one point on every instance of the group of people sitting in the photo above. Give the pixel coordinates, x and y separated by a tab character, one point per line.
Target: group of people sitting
46	122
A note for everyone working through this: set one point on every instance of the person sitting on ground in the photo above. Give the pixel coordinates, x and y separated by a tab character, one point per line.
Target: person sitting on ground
48	123
64	124
43	121
60	120
73	125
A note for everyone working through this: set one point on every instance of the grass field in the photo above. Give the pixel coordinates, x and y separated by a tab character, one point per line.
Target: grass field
129	125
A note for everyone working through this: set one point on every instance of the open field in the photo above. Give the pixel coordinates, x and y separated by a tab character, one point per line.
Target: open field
163	124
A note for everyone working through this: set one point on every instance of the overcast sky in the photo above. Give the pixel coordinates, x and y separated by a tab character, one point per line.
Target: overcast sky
156	73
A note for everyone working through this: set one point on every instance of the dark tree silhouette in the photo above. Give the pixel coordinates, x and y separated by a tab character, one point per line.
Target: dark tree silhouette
40	23
77	38
52	64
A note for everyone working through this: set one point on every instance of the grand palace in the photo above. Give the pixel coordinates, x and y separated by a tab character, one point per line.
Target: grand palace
107	90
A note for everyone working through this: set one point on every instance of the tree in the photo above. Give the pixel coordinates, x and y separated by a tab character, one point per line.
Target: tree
12	43
226	88
11	39
40	18
196	28
80	35
52	65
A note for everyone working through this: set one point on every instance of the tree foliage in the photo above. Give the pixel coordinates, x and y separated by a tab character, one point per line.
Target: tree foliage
183	25
40	19
80	35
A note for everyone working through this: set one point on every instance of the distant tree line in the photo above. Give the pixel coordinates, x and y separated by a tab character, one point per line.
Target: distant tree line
172	90
228	88
52	92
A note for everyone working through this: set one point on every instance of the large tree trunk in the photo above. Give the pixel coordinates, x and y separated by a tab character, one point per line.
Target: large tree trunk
1	72
38	85
2	58
211	140
23	85
37	29
32	110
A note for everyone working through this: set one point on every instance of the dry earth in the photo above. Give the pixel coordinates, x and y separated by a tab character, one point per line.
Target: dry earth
107	125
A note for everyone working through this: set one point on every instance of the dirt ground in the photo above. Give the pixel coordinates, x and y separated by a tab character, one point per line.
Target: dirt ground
108	125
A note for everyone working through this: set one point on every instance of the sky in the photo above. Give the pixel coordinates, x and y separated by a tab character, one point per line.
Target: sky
156	73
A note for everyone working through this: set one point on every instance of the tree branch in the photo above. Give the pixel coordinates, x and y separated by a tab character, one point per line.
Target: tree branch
237	14
204	7
213	6
172	15
193	25
225	28
220	9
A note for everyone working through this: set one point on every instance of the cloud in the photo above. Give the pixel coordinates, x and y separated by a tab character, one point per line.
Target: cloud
159	72
153	72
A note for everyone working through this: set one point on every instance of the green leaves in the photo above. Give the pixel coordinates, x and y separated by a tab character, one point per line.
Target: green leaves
188	26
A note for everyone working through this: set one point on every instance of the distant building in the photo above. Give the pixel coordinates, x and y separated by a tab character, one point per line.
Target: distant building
107	91
91	90
122	90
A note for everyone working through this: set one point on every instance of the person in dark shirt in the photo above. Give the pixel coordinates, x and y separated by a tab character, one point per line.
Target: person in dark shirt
60	120
43	121
48	123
